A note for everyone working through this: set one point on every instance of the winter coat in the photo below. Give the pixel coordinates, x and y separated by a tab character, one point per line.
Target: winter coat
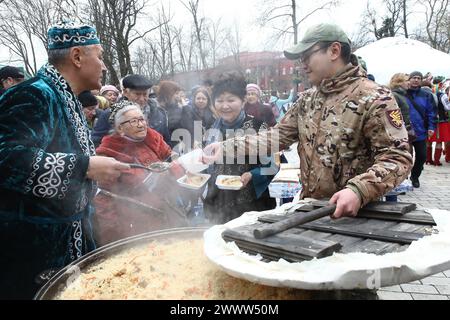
261	112
155	115
190	114
221	206
117	219
400	97
425	101
350	133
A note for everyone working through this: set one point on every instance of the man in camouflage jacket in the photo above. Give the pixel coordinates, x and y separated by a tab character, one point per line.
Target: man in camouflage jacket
353	145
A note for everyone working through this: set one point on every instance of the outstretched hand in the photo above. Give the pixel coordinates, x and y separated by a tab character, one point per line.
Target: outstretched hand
104	169
347	204
212	153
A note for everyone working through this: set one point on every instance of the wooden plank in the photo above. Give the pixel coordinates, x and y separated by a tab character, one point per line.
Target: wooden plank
344	240
412	217
378	206
290	244
370	229
371	246
416	216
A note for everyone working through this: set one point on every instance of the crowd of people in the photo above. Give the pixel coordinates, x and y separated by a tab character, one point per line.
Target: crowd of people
425	108
70	146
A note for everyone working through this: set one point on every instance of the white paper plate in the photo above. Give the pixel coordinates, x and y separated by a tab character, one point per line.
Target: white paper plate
182	182
223	187
191	161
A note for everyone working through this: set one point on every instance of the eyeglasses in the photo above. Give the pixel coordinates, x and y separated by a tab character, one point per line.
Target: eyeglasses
304	59
135	122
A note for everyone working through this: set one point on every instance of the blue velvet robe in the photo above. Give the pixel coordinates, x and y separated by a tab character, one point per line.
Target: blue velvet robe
45	206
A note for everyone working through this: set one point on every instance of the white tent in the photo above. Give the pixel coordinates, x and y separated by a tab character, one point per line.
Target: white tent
388	56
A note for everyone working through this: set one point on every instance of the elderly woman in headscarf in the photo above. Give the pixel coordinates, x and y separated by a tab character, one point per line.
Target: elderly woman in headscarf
221	206
134	142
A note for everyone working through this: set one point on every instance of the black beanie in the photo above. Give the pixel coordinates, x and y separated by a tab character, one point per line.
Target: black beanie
87	99
416	74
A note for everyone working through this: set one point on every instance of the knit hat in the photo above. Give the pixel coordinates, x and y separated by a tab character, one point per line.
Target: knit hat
11	72
109	88
67	34
416	74
255	88
87	99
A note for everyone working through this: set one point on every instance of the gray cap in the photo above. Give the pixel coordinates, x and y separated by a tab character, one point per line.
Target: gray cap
136	82
324	32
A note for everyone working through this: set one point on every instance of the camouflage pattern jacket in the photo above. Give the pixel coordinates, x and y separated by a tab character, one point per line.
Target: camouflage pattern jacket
351	135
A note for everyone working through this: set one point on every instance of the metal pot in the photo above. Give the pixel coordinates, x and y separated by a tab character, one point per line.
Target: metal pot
58	282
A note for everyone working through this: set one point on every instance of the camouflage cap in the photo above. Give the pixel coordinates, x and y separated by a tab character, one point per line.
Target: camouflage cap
322	32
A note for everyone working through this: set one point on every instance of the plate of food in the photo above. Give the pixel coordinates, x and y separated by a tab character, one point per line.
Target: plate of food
193	181
229	182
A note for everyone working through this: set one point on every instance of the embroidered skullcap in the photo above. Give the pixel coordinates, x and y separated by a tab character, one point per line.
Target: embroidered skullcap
67	34
116	107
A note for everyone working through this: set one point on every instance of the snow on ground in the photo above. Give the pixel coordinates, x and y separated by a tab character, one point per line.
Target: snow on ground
388	56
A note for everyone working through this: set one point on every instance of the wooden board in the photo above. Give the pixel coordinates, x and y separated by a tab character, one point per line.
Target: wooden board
388	228
366	229
415	216
290	244
377	206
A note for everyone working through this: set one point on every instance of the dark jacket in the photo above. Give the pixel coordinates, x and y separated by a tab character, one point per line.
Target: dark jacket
400	97
157	118
261	112
174	115
443	115
190	114
224	205
423	119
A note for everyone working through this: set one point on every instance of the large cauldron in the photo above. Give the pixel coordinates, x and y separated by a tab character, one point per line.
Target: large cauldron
58	282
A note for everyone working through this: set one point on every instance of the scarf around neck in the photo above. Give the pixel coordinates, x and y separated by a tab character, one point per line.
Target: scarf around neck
236	124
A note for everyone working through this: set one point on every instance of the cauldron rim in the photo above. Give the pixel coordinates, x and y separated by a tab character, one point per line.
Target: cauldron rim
58	282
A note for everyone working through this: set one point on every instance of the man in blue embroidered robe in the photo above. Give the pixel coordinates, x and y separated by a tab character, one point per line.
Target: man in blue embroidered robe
48	164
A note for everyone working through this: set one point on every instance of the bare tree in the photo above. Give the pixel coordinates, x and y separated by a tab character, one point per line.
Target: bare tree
23	24
404	18
116	22
286	16
437	17
193	6
234	41
388	21
217	38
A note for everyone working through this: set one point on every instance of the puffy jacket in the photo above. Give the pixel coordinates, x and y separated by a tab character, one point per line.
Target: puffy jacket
425	101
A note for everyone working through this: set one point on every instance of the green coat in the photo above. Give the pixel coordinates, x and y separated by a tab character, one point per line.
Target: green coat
45	210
